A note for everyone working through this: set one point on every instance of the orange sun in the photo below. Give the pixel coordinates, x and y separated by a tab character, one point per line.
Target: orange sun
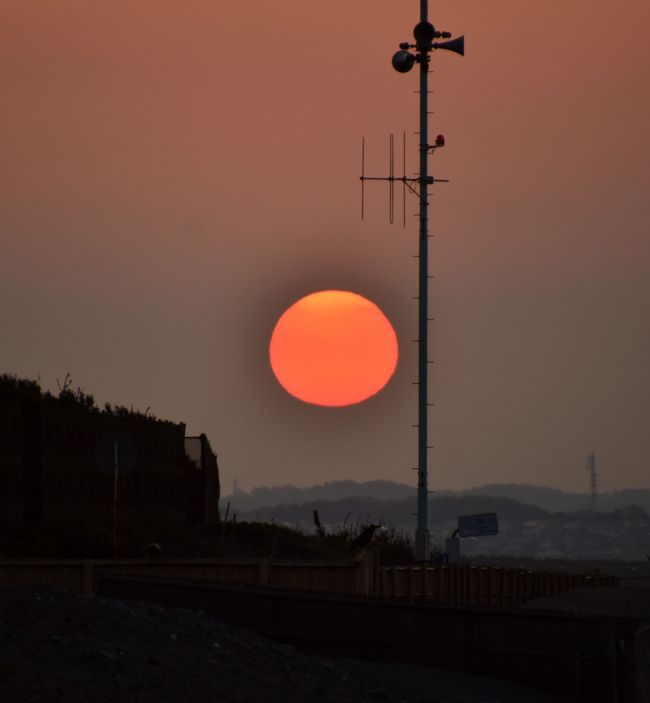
333	348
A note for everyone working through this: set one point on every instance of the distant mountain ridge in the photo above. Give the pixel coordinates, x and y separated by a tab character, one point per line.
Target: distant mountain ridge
533	521
555	500
398	513
552	500
332	490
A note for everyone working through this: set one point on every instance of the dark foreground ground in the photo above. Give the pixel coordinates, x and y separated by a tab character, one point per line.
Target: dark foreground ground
59	647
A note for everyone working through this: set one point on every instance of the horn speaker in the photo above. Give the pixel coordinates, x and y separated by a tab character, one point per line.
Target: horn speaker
455	45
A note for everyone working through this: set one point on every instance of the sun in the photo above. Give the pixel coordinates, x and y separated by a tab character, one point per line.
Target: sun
333	348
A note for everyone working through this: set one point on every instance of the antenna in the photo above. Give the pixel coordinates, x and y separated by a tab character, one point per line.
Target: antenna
593	478
407	183
391	179
363	173
403	61
404	180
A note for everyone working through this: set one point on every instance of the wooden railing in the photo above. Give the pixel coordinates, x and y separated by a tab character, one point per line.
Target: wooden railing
457	584
79	575
463	584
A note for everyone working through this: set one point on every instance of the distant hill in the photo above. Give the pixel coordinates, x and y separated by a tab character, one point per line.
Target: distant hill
551	499
555	500
332	490
621	499
398	513
533	521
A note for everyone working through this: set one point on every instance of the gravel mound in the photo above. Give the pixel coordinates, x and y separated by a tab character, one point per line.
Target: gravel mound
60	647
57	647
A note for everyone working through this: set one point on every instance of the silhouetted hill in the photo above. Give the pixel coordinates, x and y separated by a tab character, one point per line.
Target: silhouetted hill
555	500
621	499
392	512
524	529
552	499
332	490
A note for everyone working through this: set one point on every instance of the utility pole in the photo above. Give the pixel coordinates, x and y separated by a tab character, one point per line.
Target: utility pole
424	34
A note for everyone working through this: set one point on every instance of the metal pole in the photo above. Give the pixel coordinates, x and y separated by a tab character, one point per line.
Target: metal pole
403	61
422	531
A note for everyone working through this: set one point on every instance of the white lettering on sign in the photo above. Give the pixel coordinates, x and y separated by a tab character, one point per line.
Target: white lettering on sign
478	525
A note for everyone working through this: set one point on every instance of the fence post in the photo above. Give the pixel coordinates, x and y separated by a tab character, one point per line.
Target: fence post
515	588
409	584
363	575
375	574
87	574
263	574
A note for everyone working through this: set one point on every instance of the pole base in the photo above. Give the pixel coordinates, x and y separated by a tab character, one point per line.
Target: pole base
422	547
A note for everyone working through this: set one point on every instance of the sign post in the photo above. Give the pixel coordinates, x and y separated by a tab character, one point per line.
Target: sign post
116	452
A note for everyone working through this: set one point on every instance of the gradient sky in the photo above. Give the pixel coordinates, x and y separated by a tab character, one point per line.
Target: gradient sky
176	174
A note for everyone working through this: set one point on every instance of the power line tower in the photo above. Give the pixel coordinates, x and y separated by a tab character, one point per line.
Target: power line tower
403	61
593	478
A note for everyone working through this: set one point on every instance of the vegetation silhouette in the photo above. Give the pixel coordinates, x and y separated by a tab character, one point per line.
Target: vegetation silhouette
15	389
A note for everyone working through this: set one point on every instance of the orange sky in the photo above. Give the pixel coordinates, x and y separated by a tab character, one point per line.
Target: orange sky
175	175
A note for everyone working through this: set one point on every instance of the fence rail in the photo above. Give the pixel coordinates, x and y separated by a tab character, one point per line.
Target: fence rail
458	584
463	584
80	575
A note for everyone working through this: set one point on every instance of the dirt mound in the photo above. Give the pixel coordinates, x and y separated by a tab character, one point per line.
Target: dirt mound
57	647
60	647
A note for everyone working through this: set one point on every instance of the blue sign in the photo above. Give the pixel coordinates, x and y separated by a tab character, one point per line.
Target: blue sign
478	525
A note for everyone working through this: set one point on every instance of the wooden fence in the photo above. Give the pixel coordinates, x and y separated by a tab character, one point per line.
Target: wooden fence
457	584
80	575
463	584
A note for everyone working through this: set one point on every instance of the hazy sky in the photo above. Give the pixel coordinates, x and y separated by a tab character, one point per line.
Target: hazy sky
176	174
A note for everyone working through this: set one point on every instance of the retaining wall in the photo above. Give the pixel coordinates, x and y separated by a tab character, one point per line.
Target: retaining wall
594	659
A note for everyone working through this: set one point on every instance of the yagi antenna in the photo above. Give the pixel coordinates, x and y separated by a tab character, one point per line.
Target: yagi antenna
404	179
403	61
407	183
391	179
363	174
